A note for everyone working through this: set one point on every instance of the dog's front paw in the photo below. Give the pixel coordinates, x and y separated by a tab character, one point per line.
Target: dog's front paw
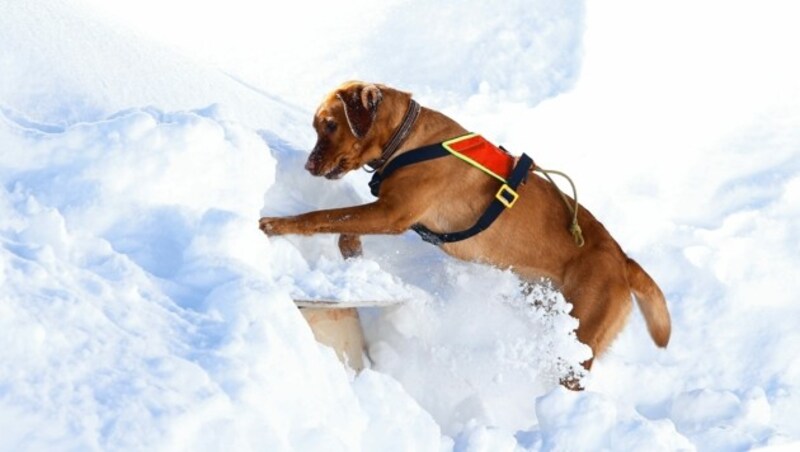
270	226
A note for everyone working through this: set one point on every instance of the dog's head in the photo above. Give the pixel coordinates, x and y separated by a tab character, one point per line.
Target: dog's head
353	123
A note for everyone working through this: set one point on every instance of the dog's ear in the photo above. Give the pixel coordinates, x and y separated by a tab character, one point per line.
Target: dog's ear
360	107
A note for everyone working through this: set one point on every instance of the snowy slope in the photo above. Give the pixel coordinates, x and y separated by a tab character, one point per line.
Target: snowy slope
142	309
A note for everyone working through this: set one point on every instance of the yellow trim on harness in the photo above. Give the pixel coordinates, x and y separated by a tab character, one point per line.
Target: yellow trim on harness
447	144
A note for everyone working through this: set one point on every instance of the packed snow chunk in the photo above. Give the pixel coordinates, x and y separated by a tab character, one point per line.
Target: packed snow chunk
352	280
571	420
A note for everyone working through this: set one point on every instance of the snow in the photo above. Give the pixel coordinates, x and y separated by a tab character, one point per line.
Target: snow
141	308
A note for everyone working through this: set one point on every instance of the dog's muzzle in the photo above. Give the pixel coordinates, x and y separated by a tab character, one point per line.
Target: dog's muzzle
313	163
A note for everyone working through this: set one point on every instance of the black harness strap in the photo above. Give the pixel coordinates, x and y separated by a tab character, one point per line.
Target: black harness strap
504	198
419	155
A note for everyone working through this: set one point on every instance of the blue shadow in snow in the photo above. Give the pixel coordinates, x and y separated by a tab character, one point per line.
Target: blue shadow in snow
154	239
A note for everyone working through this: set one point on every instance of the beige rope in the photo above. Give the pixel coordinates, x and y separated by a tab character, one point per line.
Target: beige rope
574	228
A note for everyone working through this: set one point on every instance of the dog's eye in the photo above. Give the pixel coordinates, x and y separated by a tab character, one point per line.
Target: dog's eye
330	126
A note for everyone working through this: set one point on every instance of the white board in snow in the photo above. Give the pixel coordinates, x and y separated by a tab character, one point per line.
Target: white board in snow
338	304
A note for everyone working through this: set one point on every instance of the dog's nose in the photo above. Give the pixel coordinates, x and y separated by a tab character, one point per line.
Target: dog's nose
312	164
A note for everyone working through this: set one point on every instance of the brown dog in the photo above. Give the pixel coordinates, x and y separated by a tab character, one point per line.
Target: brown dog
354	125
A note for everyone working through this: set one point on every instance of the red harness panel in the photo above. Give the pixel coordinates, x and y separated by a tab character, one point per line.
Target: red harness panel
475	150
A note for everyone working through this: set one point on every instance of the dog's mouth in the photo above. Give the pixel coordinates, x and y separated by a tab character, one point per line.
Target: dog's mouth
337	172
314	165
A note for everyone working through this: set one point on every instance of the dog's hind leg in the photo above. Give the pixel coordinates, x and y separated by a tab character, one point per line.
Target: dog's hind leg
601	303
601	298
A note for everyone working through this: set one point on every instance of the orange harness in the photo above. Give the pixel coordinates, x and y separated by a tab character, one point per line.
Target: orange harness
475	150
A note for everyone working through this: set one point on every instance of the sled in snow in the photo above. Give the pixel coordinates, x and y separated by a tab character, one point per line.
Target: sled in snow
337	325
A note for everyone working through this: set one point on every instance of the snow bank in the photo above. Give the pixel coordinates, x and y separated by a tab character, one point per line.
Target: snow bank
139	304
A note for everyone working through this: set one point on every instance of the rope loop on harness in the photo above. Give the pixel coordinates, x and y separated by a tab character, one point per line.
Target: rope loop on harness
574	228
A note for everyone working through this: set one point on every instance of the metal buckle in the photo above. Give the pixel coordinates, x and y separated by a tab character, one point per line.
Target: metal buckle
505	189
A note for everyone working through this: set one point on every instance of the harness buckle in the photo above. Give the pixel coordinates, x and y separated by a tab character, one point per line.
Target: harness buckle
507	196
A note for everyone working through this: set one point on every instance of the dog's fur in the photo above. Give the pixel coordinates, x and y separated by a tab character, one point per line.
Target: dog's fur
356	120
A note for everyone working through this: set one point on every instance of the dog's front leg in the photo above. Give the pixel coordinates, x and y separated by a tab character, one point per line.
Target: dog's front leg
374	218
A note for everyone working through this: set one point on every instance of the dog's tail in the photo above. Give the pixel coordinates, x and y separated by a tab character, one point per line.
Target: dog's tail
651	302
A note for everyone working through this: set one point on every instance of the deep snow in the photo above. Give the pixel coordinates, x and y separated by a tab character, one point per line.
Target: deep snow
142	309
